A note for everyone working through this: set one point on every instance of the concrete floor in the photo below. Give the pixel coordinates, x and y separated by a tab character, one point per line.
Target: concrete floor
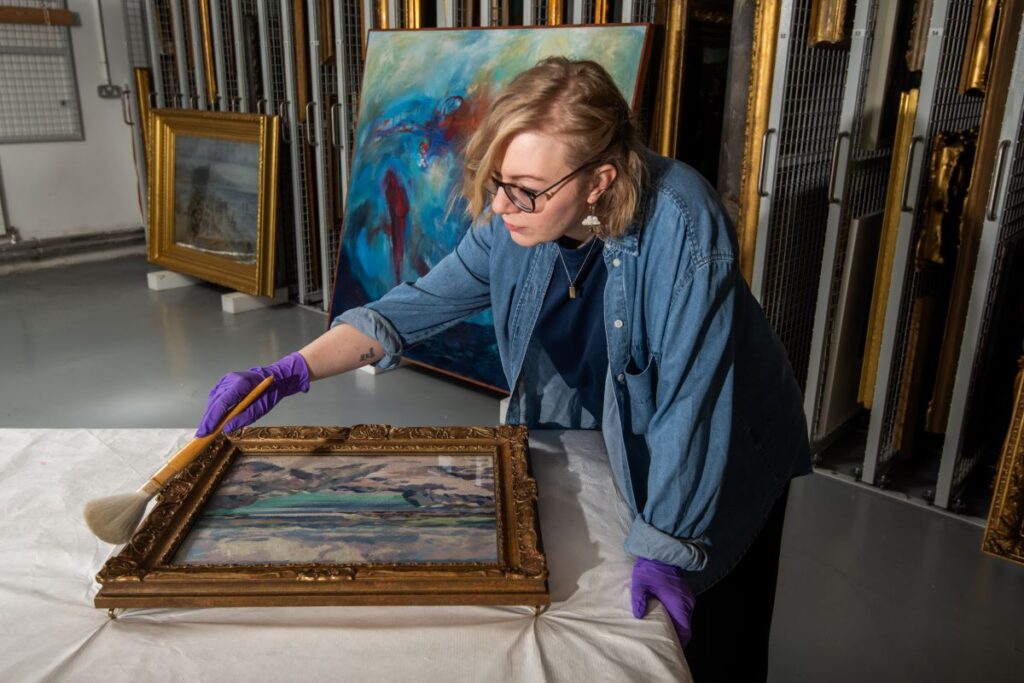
869	589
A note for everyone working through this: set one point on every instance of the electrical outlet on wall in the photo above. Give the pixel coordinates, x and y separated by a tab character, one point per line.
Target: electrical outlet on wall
109	91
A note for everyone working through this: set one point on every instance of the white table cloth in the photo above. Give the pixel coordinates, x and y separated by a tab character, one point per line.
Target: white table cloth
51	631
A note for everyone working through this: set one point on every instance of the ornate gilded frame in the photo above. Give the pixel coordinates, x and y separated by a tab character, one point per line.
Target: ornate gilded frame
827	24
1004	533
141	575
165	125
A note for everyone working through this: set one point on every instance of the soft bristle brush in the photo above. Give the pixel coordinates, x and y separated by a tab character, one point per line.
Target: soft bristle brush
113	519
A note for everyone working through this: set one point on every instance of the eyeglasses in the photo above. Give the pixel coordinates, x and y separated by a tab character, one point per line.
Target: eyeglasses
526	200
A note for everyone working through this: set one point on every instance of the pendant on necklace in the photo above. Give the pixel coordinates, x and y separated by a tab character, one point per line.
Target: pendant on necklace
572	292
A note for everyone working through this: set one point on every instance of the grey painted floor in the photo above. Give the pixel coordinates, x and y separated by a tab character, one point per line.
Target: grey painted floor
869	589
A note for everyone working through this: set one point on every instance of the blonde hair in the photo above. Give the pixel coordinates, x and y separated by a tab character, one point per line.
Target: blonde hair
578	102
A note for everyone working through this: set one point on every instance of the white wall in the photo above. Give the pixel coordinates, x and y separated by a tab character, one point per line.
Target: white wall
56	189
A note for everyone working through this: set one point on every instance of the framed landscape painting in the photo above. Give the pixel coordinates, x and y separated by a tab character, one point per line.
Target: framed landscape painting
333	516
213	196
423	95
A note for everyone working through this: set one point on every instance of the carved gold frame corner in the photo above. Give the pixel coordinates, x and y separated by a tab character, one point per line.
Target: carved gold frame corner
1004	532
164	127
827	25
142	574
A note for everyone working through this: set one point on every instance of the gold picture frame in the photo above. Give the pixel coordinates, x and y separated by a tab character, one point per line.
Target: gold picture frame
977	52
144	93
218	222
1003	532
897	185
827	25
417	516
762	70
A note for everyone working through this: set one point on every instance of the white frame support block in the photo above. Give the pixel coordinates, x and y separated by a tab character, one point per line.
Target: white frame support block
160	280
237	302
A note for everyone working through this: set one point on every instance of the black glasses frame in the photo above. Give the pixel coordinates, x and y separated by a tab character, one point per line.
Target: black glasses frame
532	194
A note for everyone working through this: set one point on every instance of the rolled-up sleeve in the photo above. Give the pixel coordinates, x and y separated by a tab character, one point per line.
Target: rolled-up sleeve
689	433
455	289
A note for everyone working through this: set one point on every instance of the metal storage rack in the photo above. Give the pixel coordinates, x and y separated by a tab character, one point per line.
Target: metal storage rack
940	108
796	162
1001	242
818	182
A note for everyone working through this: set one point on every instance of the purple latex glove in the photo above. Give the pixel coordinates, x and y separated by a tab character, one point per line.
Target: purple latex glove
666	583
291	375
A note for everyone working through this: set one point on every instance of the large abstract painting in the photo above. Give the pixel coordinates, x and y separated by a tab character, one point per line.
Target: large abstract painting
423	94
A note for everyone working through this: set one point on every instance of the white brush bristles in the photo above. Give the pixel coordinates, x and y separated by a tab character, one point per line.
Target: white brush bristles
113	519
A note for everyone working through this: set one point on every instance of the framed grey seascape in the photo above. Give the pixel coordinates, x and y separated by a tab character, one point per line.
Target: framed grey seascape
349	509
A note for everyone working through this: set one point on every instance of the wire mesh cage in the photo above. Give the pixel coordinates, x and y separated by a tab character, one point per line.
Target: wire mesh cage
39	99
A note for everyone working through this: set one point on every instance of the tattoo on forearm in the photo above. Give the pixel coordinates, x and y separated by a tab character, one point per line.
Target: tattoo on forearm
367	356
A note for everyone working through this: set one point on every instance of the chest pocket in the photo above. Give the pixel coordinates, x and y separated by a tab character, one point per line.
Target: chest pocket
640	388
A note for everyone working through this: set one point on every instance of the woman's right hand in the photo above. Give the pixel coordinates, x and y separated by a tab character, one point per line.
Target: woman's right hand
291	375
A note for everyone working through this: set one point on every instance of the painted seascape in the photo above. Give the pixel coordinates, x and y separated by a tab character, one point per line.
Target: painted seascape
349	509
216	196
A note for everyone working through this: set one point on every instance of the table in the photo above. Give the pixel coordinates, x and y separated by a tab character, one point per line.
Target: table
51	631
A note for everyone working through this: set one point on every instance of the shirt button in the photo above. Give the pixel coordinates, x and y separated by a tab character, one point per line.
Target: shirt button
616	262
621	377
617	323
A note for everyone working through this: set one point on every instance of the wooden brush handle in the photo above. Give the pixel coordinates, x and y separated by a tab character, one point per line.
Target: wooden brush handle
187	454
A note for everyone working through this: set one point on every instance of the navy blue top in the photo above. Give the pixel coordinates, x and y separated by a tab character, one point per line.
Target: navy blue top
571	331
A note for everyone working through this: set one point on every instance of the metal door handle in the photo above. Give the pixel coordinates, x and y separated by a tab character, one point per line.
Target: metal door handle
334	125
126	107
997	183
310	124
282	113
832	199
909	172
764	162
261	105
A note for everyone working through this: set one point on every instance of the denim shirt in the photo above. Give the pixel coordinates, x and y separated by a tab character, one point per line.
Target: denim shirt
703	418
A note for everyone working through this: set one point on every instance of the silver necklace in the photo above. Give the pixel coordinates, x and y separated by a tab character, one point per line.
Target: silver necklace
572	280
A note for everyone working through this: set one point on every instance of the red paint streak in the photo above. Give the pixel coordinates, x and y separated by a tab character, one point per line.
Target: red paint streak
398	210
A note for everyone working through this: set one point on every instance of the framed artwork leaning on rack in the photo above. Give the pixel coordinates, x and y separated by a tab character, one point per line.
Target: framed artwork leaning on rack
213	196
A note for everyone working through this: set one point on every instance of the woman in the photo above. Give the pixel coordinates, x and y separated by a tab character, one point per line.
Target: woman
612	277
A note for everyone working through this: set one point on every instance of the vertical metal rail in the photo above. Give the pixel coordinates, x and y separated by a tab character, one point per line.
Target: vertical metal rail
154	44
180	56
528	12
314	125
239	43
1004	223
221	99
264	32
860	53
446	13
348	72
806	100
369	11
940	107
198	54
289	124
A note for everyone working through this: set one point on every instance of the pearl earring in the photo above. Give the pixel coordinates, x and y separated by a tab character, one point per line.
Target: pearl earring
592	222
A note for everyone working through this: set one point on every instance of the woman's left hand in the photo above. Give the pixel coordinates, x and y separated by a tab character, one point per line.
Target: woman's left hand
666	583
